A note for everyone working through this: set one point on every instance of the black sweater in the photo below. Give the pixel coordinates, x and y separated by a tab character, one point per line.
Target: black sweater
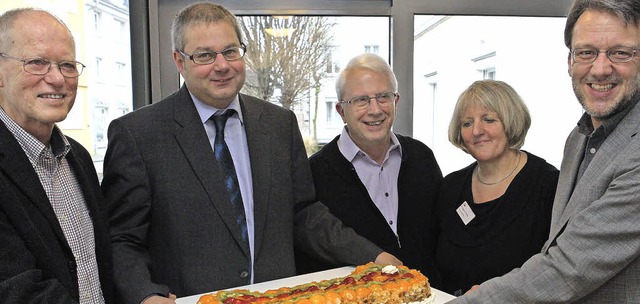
339	187
505	232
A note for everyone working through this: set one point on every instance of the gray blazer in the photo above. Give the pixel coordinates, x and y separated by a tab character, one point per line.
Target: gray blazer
594	242
171	229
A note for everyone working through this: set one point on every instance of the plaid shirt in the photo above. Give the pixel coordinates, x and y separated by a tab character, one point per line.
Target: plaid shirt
66	198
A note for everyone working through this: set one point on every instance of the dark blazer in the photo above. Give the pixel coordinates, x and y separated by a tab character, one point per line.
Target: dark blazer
339	187
36	262
171	229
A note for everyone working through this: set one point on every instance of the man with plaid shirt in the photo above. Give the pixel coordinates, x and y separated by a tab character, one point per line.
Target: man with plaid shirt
55	244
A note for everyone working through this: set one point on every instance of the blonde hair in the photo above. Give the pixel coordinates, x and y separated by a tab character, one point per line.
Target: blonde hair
496	96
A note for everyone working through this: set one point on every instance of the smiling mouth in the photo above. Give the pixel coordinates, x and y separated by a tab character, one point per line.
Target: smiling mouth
51	96
222	80
602	87
480	142
374	123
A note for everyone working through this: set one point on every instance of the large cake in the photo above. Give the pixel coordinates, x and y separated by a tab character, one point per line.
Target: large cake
370	283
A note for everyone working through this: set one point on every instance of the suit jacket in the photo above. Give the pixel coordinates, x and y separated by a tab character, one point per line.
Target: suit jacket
339	187
36	262
592	252
171	228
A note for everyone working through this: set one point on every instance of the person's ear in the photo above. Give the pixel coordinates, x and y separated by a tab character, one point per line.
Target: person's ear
179	61
340	111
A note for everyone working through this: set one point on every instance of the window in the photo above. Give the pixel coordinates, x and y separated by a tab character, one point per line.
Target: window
121	73
98	69
483	46
486	65
100	131
306	79
488	73
333	117
333	65
427	34
426	105
373	49
123	30
97	20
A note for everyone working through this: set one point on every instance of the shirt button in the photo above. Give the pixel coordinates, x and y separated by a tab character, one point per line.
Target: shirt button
390	222
72	266
593	150
386	194
244	274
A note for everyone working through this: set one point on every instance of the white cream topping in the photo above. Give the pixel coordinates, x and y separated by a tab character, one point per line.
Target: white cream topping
389	269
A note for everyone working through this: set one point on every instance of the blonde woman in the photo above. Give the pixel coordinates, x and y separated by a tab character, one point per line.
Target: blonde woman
495	213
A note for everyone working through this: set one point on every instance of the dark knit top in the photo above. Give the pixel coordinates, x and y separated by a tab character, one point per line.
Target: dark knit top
504	233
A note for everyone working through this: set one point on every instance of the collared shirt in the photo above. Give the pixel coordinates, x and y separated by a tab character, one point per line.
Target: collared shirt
236	138
596	137
66	198
381	181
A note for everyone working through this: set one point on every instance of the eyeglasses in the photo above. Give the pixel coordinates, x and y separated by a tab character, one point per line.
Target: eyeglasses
615	54
41	66
230	54
361	102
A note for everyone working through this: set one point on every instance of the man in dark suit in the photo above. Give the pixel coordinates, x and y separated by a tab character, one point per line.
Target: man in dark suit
53	233
174	223
381	184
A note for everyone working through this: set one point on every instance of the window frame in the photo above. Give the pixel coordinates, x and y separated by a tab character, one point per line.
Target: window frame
155	75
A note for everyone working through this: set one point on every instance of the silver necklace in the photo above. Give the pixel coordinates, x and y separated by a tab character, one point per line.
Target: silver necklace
503	179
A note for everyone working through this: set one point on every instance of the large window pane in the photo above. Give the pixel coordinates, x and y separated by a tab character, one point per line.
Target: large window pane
293	61
101	32
450	52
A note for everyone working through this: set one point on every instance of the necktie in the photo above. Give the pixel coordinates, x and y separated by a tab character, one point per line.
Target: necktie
223	156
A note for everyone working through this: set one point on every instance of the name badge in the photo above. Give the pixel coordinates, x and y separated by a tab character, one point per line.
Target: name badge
465	213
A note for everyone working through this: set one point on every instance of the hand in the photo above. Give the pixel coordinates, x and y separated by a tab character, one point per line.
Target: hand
386	258
160	299
474	287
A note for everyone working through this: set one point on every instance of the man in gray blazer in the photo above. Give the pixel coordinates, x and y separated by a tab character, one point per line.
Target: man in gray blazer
594	243
174	228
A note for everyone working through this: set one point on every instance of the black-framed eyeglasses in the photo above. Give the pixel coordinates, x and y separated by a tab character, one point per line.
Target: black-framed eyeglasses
208	57
615	54
361	102
42	66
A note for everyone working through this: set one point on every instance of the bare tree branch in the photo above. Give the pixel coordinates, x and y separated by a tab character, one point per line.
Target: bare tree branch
291	63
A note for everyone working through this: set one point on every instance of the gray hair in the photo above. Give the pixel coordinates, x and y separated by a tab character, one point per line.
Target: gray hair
366	61
496	96
627	11
8	18
203	12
